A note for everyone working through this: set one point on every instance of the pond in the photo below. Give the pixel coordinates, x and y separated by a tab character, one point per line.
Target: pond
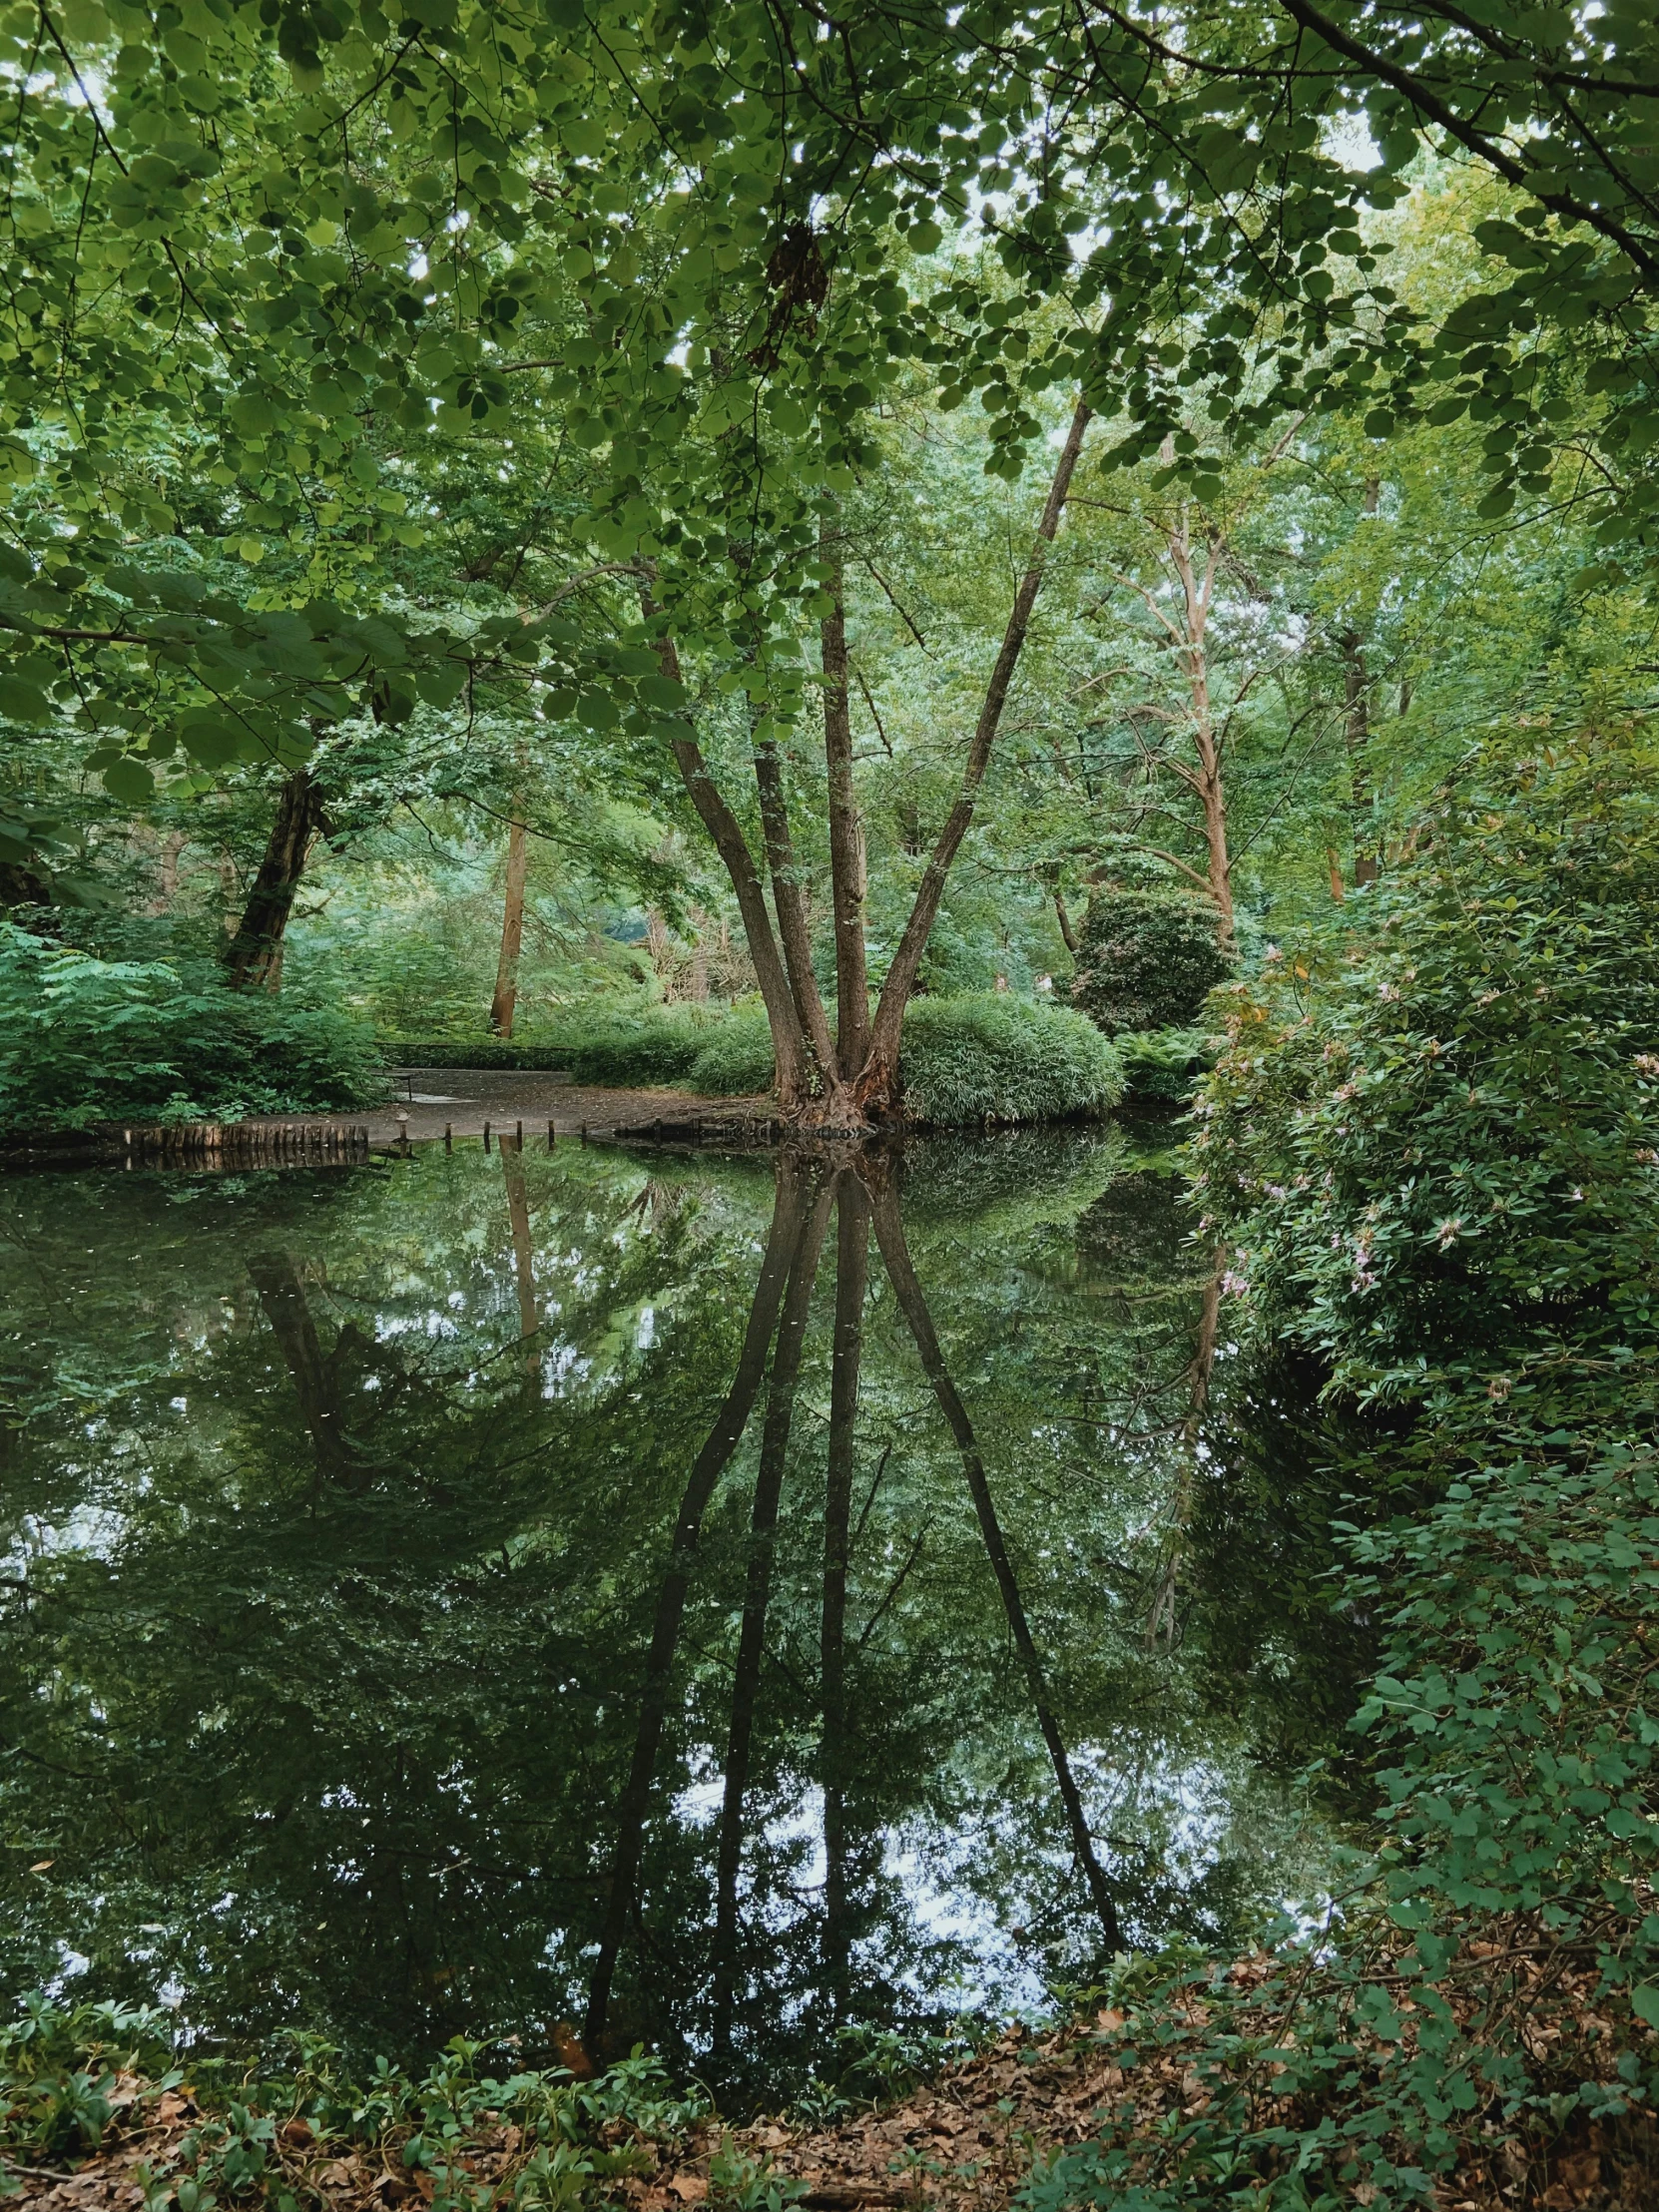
748	1608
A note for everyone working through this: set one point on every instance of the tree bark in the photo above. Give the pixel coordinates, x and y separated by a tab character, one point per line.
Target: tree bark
852	1271
878	1085
253	955
1068	935
763	1527
790	909
787	1220
1368	866
788	1040
512	928
847	833
889	1233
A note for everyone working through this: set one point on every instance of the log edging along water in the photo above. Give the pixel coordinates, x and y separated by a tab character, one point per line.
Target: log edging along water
194	1144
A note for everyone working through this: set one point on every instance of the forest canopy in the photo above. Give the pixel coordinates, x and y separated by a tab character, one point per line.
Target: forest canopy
830	489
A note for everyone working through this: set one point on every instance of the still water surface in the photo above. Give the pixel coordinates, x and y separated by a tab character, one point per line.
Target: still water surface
688	1601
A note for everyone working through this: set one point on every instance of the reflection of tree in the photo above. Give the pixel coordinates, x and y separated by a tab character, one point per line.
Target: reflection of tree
889	1234
783	1241
851	1265
317	1379
524	1271
762	1530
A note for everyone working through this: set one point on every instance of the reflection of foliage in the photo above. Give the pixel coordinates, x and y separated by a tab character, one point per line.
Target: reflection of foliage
1146	959
353	1636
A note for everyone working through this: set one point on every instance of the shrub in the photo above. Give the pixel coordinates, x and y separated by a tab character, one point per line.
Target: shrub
737	1059
989	1056
1147	959
84	1040
1435	1146
1163	1064
481	1052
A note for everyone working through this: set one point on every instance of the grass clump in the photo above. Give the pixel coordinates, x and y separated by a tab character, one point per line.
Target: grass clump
85	1040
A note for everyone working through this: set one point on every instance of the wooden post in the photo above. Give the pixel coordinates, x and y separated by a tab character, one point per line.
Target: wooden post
486	1136
449	1136
550	1136
521	1136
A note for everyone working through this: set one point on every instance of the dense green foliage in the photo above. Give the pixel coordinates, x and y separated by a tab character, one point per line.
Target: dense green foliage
993	1057
1431	1153
84	1040
1147	959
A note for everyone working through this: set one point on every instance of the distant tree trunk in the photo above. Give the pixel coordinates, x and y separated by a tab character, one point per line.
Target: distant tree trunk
1192	655
253	955
1068	935
787	1222
878	1085
745	1681
1368	866
512	928
851	1269
889	1231
846	832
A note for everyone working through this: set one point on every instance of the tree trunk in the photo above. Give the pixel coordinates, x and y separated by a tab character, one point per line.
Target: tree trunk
851	1271
889	1233
1368	866
763	1527
789	1039
847	834
787	1220
512	928
1068	935
253	955
790	909
878	1085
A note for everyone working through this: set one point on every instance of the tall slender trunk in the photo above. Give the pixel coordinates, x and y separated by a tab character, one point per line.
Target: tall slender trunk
787	1219
846	831
512	928
889	1231
253	955
877	1086
1368	866
791	907
1192	652
851	1271
789	1039
1068	935
762	1526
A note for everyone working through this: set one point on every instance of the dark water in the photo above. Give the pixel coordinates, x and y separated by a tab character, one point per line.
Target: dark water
702	1603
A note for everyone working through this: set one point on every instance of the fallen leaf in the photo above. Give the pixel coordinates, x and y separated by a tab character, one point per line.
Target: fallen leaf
690	2188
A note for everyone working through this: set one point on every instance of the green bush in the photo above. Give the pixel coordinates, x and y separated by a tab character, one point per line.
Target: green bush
84	1040
1162	1065
989	1056
1147	959
737	1059
1436	1144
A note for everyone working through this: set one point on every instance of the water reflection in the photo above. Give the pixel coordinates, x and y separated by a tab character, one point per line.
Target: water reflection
683	1601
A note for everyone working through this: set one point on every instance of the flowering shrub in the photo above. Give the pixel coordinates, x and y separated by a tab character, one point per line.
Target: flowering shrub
1436	1144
